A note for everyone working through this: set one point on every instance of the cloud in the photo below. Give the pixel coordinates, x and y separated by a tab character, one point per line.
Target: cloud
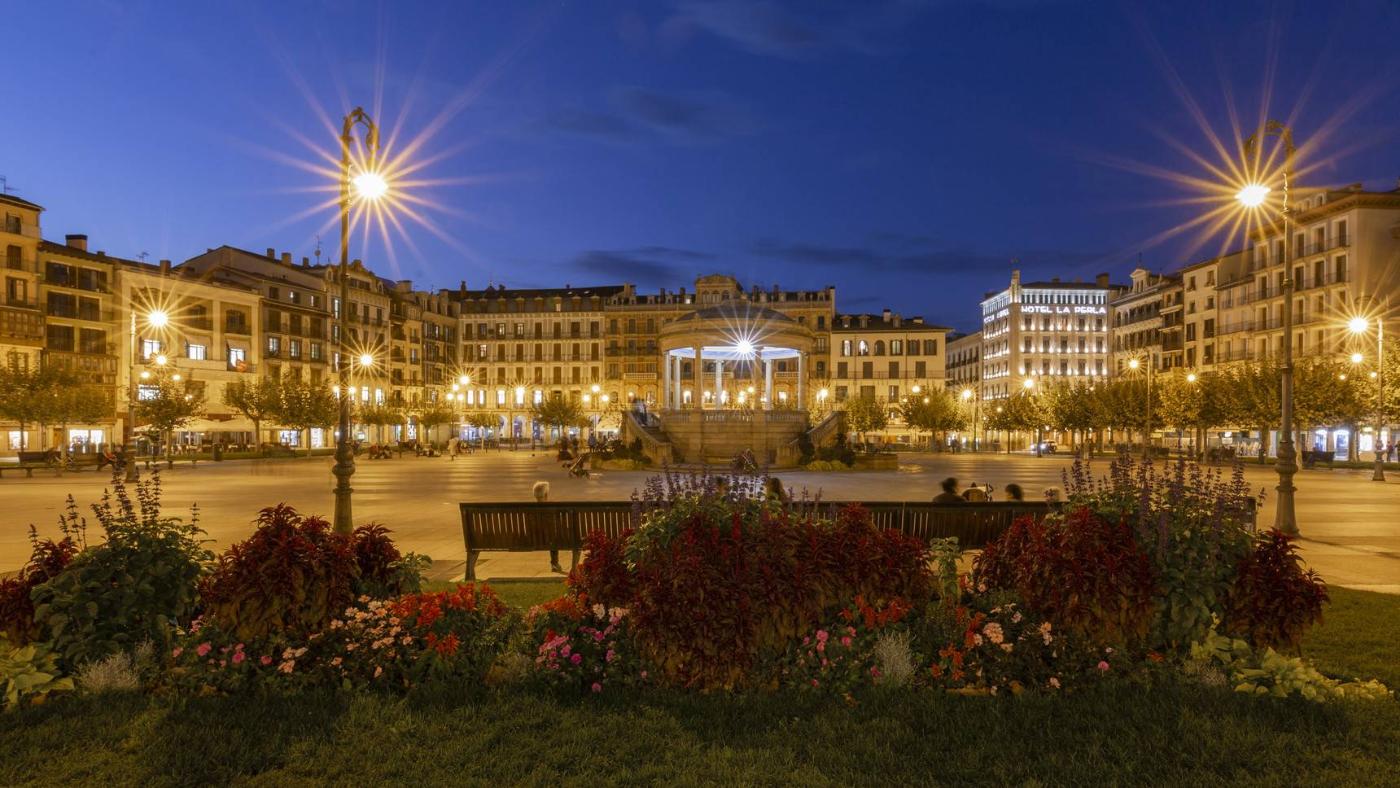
637	113
895	252
777	30
650	264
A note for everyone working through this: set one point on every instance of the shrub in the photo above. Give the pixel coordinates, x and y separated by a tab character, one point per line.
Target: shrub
292	575
1266	672
1193	523
120	672
1083	573
406	641
840	655
583	648
46	559
805	449
135	586
712	582
28	673
381	571
1274	600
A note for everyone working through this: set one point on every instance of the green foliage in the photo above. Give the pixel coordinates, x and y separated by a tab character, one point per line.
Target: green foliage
46	559
935	410
302	405
257	400
1266	672
135	586
433	414
50	395
866	414
1021	411
174	404
29	673
1070	405
560	412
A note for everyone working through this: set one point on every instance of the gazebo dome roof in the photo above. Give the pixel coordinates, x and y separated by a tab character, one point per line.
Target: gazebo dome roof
737	311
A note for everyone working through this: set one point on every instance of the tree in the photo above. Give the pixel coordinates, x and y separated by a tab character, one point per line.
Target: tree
866	414
937	410
1195	405
1071	406
380	416
257	400
559	412
1020	412
435	413
43	396
483	422
172	406
302	406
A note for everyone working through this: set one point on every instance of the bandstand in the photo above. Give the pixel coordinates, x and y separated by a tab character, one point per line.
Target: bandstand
734	378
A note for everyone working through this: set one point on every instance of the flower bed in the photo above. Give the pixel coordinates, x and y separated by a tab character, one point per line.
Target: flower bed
1147	575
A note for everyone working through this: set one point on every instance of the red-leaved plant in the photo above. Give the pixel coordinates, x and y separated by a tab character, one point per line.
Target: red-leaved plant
47	558
1274	600
1085	574
718	579
292	575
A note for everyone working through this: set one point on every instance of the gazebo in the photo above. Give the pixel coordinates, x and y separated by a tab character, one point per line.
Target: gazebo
741	341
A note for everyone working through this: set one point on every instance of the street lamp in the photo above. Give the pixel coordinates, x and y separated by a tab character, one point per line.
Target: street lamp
156	319
1252	196
367	185
1360	325
969	394
1135	364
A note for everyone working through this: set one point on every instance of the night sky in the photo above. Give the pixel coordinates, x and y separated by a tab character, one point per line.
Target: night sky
904	152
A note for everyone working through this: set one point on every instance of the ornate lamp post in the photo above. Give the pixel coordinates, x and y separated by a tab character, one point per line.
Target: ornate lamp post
1151	373
368	185
157	319
1252	196
1360	325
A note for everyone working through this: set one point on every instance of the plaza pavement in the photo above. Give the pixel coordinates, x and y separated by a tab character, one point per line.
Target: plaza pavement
1350	525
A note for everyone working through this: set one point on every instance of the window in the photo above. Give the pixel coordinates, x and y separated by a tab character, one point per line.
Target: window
237	356
273	294
149	348
195	352
315	351
294	348
274	345
845	347
862	349
896	347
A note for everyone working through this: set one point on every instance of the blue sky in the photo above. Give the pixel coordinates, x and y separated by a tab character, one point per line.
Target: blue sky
904	151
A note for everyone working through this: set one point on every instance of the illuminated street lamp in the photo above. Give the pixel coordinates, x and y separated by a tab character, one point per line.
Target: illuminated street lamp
1134	364
968	395
370	186
1252	196
1360	325
156	319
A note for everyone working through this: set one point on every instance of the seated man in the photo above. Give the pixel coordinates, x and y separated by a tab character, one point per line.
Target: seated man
950	492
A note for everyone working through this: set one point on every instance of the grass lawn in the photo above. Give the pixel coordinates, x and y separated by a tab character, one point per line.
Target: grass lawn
1126	734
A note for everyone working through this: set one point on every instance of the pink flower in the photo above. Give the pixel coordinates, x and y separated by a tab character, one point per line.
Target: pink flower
378	670
822	635
846	641
203	649
610	656
1103	665
644	674
286	667
993	632
597	687
576	658
816	683
1054	682
238	657
176	653
265	660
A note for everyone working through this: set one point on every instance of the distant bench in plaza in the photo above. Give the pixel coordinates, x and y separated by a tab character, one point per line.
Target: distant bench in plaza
531	526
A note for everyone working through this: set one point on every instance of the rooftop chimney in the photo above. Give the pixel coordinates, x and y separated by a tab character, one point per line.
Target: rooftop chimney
165	267
1101	280
885	315
306	262
76	241
286	258
271	253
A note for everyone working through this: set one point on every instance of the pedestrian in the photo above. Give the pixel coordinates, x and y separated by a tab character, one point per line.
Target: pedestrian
950	492
774	491
541	492
1015	493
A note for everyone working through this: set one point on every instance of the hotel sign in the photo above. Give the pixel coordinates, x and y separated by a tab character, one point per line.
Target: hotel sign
1064	310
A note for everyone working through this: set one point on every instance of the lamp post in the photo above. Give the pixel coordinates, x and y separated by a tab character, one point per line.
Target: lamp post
369	185
156	319
1029	384
1146	430
969	394
1359	325
1252	196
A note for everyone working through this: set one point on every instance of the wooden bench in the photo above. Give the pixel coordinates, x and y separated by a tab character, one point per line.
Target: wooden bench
1311	458
531	526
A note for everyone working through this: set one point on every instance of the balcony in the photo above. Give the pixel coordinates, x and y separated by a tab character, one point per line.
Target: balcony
239	328
102	368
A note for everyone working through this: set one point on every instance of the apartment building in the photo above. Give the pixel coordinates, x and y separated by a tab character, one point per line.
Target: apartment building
964	363
885	356
1140	315
21	321
1054	328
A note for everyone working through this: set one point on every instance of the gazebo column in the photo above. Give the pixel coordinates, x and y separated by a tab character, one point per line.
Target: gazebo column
767	384
801	380
719	382
666	379
699	378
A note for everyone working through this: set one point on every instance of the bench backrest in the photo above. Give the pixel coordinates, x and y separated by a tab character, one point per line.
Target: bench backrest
525	526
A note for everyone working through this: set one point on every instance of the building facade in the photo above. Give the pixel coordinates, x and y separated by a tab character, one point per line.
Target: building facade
1140	314
1045	329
